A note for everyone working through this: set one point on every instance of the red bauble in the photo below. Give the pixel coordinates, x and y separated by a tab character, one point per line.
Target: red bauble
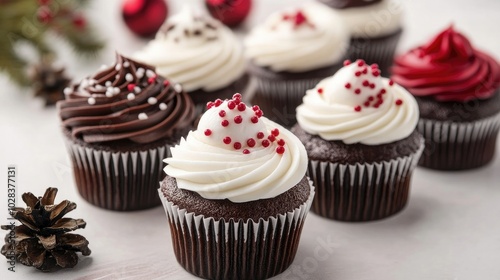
229	12
144	17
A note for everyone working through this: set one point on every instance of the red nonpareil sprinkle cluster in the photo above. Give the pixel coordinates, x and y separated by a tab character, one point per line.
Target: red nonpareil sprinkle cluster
235	112
298	19
364	73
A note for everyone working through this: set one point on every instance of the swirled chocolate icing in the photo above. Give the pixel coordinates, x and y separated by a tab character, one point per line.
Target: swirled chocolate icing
125	102
344	4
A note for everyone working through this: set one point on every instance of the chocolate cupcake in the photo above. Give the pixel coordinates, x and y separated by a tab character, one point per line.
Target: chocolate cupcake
375	28
457	90
290	53
118	126
201	54
236	194
359	132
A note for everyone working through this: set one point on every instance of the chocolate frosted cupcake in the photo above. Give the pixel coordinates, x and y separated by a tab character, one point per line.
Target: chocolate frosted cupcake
236	194
290	53
375	29
119	125
457	90
359	132
200	53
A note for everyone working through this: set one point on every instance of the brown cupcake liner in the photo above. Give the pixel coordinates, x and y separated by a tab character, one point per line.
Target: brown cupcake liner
122	181
458	146
232	249
375	50
279	99
362	192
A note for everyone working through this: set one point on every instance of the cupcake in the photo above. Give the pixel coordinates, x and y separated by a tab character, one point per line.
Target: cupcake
200	53
119	125
359	132
457	90
375	27
290	53
236	194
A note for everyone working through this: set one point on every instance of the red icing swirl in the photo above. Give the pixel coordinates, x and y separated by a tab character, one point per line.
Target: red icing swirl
448	69
125	102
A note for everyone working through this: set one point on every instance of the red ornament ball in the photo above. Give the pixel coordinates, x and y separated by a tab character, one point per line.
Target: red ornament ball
229	12
144	17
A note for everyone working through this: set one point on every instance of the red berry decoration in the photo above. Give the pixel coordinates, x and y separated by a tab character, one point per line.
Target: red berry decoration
144	17
229	12
280	150
79	21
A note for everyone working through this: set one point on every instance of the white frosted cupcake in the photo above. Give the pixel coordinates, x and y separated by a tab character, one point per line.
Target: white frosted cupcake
291	52
200	53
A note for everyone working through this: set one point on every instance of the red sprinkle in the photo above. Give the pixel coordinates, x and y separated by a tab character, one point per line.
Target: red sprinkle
357	108
271	138
366	83
347	62
237	145
357	91
227	140
399	102
224	123
365	70
152	79
382	91
255	107
275	132
254	119
281	142
376	73
218	102
374	66
259	113
210	104
238	119
391	82
367	104
246	151
231	105
358	73
260	135
242	107
208	132
237	96
320	90
166	83
251	142
372	86
280	150
361	62
265	143
222	113
348	85
130	87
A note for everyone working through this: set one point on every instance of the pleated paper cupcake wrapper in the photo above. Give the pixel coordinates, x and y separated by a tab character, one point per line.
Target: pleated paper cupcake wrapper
362	192
232	249
279	99
380	51
122	181
459	146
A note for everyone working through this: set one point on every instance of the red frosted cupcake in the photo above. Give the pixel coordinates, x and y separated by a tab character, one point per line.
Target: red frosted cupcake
457	90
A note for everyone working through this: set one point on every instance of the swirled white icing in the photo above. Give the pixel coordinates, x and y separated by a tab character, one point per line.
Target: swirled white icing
237	155
373	21
298	40
356	105
196	51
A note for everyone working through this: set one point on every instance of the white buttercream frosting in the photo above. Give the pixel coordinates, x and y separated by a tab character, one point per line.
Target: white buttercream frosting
298	40
196	51
241	169
357	105
373	21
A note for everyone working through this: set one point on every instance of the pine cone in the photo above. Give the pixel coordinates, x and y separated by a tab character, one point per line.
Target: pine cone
42	240
48	82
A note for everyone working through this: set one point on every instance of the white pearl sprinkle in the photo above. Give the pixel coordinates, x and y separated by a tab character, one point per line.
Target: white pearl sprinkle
91	101
92	82
150	73
137	89
117	77
116	90
143	116
152	100
68	91
129	77
118	67
178	88
130	96
99	87
163	106
107	83
139	75
126	64
109	93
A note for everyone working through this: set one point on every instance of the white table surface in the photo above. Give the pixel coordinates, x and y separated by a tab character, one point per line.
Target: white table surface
449	230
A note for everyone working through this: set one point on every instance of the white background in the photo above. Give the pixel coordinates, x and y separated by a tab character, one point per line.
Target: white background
449	230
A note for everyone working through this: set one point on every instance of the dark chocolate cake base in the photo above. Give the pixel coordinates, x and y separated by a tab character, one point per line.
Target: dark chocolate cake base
360	182
218	239
123	176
